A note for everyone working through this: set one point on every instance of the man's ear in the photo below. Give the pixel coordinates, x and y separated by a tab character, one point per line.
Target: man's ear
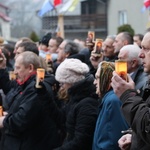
31	68
125	42
134	63
67	55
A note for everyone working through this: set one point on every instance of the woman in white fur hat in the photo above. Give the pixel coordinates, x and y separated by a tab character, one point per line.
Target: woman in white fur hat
82	106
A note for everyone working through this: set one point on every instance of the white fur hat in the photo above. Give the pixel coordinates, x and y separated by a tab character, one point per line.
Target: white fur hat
71	71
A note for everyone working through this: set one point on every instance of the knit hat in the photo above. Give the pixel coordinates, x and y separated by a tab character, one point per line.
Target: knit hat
71	71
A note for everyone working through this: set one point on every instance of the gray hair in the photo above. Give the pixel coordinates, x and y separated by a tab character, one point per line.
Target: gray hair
112	37
30	58
133	52
71	47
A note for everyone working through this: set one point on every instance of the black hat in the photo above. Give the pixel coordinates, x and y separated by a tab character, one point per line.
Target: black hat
45	39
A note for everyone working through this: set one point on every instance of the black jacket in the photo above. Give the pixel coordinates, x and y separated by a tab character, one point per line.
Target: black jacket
81	116
137	113
139	77
28	126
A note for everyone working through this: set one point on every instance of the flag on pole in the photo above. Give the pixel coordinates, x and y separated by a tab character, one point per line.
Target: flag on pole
68	6
57	2
47	6
73	6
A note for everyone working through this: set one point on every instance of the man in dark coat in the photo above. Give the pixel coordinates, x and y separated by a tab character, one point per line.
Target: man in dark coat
27	125
136	109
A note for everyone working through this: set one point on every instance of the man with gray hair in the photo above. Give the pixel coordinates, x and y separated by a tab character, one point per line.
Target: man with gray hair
108	49
66	49
27	121
130	53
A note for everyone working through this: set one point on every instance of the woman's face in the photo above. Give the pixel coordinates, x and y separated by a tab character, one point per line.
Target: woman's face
65	86
96	82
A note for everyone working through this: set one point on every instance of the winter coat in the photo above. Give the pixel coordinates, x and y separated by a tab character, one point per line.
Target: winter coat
28	125
109	124
81	116
137	113
139	77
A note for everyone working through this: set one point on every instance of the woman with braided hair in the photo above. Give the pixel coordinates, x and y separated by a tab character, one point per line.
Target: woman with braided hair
110	121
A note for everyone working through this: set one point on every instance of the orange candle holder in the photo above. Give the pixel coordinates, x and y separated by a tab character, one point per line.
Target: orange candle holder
40	77
48	58
121	68
1	111
12	75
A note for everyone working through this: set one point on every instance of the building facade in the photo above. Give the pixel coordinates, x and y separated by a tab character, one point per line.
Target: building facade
89	15
127	12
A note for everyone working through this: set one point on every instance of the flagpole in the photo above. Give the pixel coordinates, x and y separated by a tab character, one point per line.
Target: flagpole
61	25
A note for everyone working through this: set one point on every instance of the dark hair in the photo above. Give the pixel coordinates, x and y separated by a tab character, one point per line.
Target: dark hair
59	40
29	46
45	39
71	48
10	48
127	36
140	36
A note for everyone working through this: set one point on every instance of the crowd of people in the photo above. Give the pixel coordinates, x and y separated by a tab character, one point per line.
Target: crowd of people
82	103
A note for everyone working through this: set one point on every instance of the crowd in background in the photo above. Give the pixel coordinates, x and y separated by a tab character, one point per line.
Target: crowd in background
83	103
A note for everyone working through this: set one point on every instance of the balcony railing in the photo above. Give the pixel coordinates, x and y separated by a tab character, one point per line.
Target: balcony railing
77	23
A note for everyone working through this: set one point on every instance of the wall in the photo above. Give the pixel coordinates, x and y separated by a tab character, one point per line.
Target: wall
135	18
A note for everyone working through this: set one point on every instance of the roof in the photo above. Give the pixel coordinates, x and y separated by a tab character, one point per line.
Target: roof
4	16
3	6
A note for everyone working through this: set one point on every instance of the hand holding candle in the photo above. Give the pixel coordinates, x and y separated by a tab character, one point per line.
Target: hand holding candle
12	75
121	68
40	77
1	111
48	58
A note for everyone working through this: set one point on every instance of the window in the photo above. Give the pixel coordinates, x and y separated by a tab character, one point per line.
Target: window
122	17
88	7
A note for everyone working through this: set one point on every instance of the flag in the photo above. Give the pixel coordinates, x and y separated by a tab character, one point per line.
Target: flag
146	3
143	9
57	2
47	6
73	6
68	6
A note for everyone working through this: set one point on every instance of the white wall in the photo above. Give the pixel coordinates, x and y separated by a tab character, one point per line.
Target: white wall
135	18
5	29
